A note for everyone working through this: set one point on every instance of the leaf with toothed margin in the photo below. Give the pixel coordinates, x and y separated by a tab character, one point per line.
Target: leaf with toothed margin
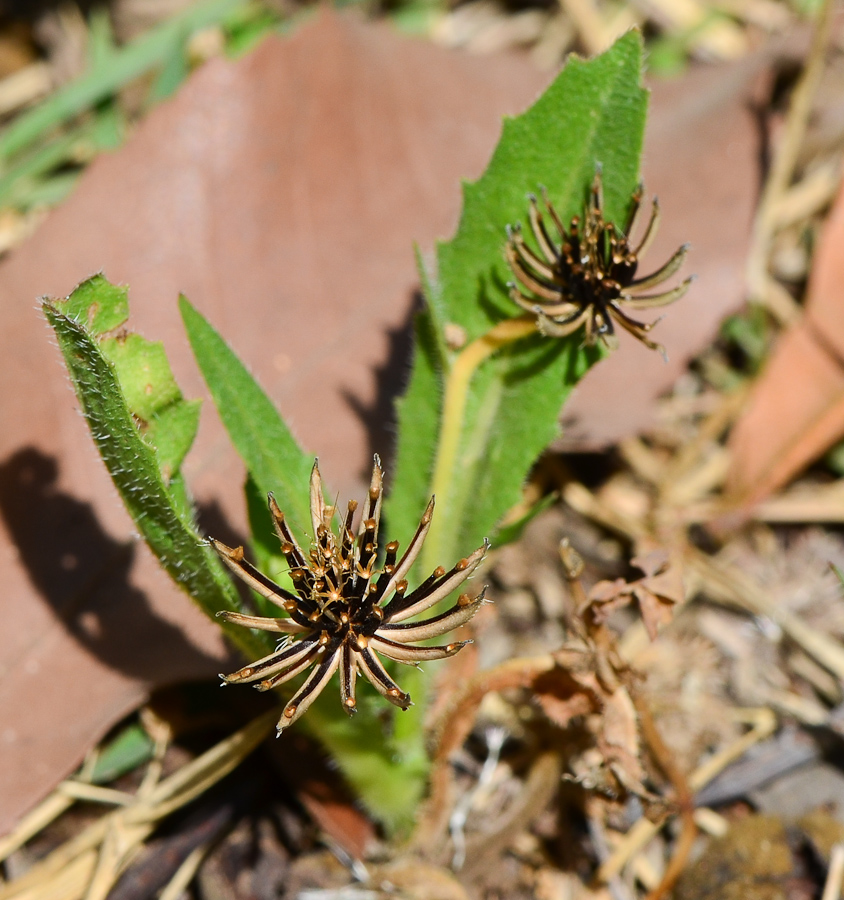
593	113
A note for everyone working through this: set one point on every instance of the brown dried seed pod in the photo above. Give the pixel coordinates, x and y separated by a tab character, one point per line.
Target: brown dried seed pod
345	613
585	276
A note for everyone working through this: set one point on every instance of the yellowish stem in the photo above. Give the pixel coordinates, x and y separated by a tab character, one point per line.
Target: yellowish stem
454	403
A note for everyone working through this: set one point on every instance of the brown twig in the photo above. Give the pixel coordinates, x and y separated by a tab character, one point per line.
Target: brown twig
453	729
663	758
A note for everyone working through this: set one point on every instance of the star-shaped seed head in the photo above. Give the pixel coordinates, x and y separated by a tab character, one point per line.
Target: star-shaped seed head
584	276
348	612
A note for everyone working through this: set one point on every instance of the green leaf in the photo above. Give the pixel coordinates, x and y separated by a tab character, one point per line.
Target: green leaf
593	114
176	69
144	373
273	457
172	432
98	304
418	414
130	749
161	515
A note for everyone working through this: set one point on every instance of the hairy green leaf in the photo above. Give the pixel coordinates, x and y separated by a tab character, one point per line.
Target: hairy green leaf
273	457
592	115
162	516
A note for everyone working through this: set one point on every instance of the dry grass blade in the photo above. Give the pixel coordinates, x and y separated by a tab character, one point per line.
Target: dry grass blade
88	864
729	584
93	793
808	197
782	171
835	875
47	811
184	874
24	86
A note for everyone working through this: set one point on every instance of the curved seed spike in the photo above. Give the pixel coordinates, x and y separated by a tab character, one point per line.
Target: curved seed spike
234	559
566	309
650	231
531	282
650	301
552	328
293	553
414	655
380	680
526	303
663	273
558	222
269	683
282	626
317	499
376	491
458	615
310	690
275	662
409	557
530	259
421	599
347	537
635	209
639	330
348	676
597	193
537	226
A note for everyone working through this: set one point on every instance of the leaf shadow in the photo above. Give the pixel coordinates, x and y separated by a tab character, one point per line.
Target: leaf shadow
491	286
379	415
85	575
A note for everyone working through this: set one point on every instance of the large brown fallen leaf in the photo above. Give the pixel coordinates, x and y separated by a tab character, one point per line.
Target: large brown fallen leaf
796	412
283	197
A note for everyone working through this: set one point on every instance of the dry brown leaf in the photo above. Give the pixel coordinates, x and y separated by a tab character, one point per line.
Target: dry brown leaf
796	412
571	688
584	682
288	216
618	741
657	593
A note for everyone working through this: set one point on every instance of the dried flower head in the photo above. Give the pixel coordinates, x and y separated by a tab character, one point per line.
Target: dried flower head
346	612
586	276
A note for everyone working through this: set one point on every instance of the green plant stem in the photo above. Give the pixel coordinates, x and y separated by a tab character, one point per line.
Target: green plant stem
454	407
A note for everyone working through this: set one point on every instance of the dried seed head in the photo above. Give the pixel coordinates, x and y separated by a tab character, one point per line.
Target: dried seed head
345	613
585	276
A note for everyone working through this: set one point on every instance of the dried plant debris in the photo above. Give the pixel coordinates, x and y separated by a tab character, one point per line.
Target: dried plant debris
346	613
794	567
687	685
657	593
764	858
585	276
